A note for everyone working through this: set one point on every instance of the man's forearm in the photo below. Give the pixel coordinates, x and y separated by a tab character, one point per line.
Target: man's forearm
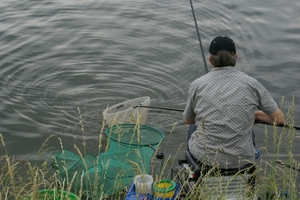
277	116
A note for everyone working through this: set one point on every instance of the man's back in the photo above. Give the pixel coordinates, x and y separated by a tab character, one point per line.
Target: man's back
224	105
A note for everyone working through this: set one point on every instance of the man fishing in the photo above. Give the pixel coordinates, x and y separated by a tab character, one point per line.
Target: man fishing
222	107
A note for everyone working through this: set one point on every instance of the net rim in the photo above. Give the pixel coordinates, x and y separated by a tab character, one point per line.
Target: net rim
143	100
154	129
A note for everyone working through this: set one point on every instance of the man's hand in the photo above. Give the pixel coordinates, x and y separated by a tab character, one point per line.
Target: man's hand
189	121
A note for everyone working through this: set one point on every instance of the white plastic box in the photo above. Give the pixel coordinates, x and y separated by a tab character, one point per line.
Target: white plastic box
128	112
143	183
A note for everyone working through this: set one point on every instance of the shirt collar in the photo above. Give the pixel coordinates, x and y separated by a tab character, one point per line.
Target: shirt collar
223	68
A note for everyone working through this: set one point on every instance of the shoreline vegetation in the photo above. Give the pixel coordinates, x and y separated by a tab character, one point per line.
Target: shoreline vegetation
275	178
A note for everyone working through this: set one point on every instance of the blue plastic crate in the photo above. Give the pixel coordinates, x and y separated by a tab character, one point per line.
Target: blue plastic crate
131	194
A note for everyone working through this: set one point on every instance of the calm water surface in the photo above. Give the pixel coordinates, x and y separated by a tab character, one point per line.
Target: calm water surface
57	56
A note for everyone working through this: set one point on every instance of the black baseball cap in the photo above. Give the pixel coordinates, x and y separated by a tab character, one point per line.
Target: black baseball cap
222	43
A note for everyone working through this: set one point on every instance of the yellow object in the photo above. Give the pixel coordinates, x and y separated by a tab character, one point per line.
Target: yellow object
164	188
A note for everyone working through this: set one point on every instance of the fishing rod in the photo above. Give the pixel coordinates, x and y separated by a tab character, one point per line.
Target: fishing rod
181	110
199	38
279	125
289	166
159	108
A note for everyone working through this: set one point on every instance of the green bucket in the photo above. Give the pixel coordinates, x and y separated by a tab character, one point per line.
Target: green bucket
164	188
54	195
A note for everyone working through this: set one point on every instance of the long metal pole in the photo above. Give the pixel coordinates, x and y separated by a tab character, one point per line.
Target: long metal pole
198	34
159	108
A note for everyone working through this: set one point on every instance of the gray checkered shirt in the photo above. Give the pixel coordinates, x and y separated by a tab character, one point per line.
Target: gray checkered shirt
223	103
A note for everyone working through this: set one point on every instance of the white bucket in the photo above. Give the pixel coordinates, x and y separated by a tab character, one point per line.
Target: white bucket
143	184
127	112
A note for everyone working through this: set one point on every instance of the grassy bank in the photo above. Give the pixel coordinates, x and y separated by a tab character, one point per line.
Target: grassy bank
275	177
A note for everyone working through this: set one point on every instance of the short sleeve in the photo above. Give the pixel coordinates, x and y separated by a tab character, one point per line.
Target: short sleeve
266	101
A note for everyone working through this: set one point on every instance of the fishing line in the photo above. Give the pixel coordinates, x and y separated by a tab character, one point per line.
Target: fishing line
198	34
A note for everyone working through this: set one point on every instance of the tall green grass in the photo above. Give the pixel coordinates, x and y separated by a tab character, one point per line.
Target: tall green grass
275	177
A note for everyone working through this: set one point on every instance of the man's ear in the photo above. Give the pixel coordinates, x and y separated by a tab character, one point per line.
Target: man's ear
236	57
211	61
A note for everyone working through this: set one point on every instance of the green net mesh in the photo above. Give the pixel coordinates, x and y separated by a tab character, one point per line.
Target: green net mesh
131	148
